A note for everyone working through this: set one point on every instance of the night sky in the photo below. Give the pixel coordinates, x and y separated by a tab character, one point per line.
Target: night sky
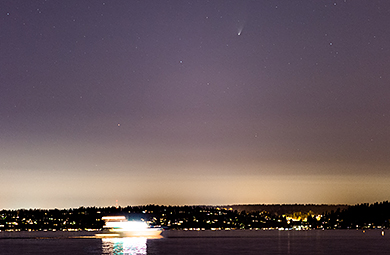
194	102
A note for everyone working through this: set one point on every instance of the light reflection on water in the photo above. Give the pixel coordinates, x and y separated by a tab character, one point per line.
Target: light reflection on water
125	246
315	242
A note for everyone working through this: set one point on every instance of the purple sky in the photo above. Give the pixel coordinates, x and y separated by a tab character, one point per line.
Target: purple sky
194	102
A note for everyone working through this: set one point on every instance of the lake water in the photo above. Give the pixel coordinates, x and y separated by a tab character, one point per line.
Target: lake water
333	242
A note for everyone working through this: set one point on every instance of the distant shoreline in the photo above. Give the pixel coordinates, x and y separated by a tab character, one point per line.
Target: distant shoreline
184	233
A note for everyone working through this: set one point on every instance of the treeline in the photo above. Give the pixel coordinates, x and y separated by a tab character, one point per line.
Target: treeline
170	217
281	209
196	217
55	219
359	216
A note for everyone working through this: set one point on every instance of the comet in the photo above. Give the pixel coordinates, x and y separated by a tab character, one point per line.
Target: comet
240	31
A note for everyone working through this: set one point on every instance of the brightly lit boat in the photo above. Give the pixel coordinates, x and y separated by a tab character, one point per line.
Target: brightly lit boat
118	226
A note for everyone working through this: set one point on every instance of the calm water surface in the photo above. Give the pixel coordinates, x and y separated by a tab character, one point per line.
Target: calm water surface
208	242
